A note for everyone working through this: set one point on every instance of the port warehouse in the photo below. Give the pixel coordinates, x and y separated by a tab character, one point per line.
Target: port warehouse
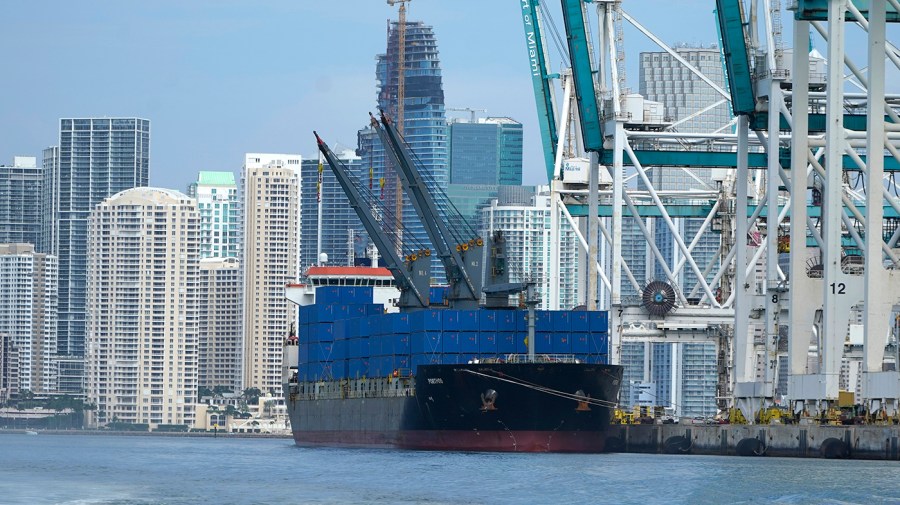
346	336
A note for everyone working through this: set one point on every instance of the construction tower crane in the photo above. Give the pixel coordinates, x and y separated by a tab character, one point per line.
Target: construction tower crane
401	98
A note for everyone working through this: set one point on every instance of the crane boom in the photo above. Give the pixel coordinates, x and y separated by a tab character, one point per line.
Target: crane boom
412	276
541	81
737	60
462	287
575	19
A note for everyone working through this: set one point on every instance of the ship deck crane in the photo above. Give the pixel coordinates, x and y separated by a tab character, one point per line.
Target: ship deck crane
412	275
461	260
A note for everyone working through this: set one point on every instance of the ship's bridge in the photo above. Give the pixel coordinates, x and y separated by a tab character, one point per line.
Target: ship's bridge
380	279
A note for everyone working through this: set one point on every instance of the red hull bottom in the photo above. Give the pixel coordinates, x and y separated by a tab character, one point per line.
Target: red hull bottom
446	440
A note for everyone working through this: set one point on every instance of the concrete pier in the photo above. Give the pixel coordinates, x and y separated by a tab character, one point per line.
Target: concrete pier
799	441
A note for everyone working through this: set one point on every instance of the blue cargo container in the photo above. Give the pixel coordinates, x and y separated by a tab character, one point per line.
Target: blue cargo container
439	295
487	320
365	326
377	345
579	321
468	342
340	329
305	334
487	343
425	342
377	366
598	321
561	343
559	321
362	294
581	342
328	295
320	351
364	347
303	371
542	321
399	323
400	344
450	342
468	320
339	350
353	347
303	353
398	361
321	370
322	332
381	324
506	343
375	309
506	320
339	369
521	320
543	342
425	320
343	295
356	310
599	343
450	320
306	314
357	368
521	342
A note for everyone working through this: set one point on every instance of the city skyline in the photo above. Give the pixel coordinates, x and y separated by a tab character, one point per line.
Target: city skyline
204	62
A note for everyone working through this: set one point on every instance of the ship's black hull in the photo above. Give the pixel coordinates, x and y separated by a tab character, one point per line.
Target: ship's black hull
527	407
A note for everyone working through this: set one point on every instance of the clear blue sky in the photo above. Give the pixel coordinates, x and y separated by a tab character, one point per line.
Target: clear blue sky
218	78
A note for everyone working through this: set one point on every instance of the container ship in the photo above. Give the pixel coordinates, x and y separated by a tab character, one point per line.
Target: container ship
444	379
460	367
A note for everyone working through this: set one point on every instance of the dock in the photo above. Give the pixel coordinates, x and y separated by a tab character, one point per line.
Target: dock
776	440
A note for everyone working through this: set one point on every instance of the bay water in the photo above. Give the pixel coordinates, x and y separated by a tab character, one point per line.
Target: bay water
142	470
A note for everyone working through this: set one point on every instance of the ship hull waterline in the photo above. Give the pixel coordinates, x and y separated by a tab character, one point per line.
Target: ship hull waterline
546	407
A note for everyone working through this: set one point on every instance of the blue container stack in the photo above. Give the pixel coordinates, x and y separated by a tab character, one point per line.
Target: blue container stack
345	335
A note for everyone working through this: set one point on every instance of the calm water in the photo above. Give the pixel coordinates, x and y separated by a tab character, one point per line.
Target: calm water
82	469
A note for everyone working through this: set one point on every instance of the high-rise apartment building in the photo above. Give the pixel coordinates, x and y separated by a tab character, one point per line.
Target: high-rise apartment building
682	93
96	158
270	187
219	206
28	307
142	304
49	199
681	376
20	202
342	234
488	151
9	368
424	124
526	229
220	325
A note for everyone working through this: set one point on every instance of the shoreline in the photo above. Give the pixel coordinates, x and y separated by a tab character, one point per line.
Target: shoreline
199	434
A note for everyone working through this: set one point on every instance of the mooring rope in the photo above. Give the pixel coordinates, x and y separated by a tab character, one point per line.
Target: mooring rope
544	389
